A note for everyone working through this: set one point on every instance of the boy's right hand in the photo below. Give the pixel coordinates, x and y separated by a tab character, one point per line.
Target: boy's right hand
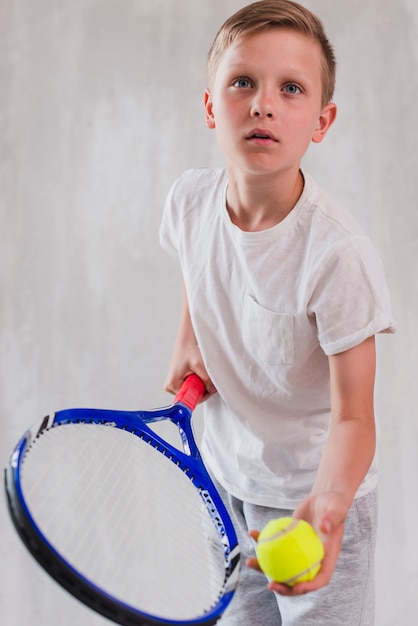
186	361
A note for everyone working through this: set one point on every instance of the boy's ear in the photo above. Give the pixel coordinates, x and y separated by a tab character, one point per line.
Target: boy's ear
326	119
210	118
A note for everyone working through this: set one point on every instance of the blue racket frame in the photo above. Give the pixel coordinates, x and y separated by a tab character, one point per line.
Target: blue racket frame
189	461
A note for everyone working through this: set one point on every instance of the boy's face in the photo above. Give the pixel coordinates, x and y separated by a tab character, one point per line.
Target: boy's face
265	101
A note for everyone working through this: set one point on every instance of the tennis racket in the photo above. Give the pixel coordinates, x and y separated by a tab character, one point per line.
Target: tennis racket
129	524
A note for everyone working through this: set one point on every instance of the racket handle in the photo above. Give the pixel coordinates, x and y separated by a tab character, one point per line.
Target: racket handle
191	392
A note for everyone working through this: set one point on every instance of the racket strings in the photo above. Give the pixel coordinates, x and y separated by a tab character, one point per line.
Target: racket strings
126	518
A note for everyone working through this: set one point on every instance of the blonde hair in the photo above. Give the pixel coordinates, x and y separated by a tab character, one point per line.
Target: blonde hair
265	15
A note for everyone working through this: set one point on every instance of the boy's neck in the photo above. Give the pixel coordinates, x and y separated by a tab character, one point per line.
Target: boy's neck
258	203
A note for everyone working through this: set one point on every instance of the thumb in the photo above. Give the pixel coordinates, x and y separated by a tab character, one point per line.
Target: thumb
331	520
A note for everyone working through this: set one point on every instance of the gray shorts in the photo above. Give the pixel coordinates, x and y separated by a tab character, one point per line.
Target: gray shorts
348	600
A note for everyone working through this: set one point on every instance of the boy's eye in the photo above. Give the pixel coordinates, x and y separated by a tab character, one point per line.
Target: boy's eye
292	88
242	83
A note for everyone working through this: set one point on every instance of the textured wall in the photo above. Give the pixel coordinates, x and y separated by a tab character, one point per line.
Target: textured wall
100	110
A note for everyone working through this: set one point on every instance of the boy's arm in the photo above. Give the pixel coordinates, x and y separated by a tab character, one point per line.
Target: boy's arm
346	458
186	358
351	444
348	453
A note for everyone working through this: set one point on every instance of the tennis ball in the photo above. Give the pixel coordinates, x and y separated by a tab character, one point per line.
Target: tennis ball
289	551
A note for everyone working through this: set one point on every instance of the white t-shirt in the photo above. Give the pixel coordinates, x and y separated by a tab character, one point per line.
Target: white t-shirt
267	309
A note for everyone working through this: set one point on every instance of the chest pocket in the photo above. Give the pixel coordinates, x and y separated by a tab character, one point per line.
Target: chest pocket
267	335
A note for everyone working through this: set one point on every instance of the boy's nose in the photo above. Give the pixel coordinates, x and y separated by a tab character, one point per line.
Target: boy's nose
262	107
258	112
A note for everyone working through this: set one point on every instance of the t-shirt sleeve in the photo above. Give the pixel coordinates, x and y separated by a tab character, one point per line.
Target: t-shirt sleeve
350	299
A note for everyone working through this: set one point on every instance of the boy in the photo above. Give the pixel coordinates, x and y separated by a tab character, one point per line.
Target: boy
283	295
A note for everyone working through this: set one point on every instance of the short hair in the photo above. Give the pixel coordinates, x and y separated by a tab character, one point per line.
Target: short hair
265	15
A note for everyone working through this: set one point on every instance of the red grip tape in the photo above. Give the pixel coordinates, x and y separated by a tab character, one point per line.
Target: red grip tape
191	392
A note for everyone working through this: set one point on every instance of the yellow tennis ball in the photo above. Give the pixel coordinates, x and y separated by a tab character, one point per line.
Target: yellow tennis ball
289	551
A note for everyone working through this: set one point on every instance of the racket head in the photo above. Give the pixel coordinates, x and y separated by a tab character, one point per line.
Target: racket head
147	528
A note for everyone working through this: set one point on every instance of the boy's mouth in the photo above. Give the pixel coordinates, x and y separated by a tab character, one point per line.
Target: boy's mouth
261	134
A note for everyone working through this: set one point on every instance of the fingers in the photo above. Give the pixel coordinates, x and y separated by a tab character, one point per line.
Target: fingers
253	564
252	561
174	382
187	359
172	385
204	376
298	590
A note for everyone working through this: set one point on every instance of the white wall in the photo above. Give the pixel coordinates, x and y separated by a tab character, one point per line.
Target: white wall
100	110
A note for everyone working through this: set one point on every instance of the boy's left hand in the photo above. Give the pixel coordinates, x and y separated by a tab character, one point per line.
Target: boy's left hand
326	513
